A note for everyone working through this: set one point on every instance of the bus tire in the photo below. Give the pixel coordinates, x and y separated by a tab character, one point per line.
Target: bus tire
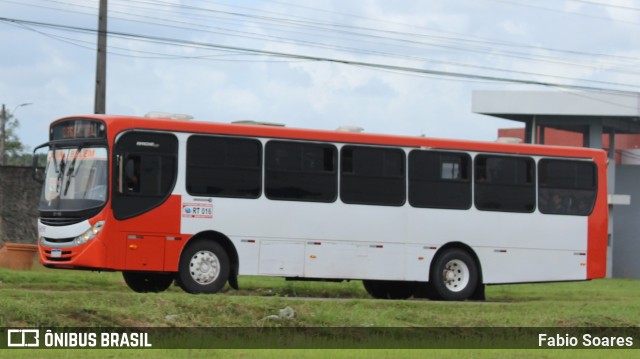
454	275
148	282
204	267
382	289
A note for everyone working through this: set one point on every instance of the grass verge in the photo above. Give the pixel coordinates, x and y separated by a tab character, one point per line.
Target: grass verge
61	298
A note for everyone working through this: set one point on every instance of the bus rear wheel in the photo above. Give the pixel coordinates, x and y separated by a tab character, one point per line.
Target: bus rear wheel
455	275
148	282
384	289
204	267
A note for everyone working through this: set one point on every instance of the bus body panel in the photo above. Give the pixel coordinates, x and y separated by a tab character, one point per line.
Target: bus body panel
145	238
68	231
92	254
599	225
350	241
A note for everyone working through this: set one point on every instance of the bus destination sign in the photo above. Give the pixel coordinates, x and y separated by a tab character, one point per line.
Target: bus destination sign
78	129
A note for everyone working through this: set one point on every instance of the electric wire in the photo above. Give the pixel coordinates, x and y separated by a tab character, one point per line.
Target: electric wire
350	50
166	40
323	26
387	54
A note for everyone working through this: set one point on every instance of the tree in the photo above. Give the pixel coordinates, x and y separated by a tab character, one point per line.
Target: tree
13	149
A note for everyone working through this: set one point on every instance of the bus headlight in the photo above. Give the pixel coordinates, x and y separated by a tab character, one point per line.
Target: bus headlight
89	234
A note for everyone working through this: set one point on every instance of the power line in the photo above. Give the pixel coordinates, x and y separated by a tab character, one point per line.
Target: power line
314	24
529	5
307	22
90	45
189	26
371	33
615	6
449	74
415	58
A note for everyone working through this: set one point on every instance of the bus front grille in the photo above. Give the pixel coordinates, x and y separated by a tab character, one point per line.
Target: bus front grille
59	240
60	221
64	256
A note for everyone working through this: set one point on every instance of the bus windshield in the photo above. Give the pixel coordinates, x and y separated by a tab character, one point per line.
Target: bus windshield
75	179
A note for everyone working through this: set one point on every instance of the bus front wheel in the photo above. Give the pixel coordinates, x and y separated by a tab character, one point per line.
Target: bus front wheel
148	282
204	267
454	275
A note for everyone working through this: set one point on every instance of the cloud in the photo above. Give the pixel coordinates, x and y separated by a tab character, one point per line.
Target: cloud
622	12
58	77
514	28
244	103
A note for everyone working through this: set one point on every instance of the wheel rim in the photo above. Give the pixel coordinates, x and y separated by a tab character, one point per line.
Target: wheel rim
204	267
455	275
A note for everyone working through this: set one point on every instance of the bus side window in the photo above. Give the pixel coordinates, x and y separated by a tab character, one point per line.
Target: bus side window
566	187
439	179
145	171
224	167
298	171
505	183
372	175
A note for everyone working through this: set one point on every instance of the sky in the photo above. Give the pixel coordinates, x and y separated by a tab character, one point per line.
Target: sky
214	60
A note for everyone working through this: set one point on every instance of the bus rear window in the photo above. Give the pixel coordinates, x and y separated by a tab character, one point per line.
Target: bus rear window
566	187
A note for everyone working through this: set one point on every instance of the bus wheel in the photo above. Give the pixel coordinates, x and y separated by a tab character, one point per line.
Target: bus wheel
204	267
454	275
382	289
145	282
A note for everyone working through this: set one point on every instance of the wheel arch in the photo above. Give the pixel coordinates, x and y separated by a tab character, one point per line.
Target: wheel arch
228	246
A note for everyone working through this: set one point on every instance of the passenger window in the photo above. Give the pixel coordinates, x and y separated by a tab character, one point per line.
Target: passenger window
372	175
300	171
566	187
224	167
504	183
439	180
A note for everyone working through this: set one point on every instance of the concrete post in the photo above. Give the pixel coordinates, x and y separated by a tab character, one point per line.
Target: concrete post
3	124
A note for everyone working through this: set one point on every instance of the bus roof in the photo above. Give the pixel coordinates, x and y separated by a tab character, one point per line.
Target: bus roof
116	124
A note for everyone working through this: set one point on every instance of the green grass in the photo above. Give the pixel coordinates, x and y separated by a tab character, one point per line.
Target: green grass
63	298
78	298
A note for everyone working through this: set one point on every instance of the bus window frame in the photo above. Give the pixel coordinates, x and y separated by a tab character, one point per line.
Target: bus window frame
483	181
467	181
402	177
120	194
334	173
260	167
594	190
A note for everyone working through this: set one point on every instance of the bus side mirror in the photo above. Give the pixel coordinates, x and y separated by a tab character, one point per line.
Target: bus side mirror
39	162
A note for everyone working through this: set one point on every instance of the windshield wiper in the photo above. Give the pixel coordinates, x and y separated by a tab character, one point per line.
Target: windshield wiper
59	171
71	170
55	161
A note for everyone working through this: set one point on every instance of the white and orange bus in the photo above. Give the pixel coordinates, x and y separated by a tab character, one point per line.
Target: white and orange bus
202	203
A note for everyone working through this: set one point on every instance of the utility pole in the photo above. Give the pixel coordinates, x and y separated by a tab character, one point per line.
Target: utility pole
101	61
3	123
